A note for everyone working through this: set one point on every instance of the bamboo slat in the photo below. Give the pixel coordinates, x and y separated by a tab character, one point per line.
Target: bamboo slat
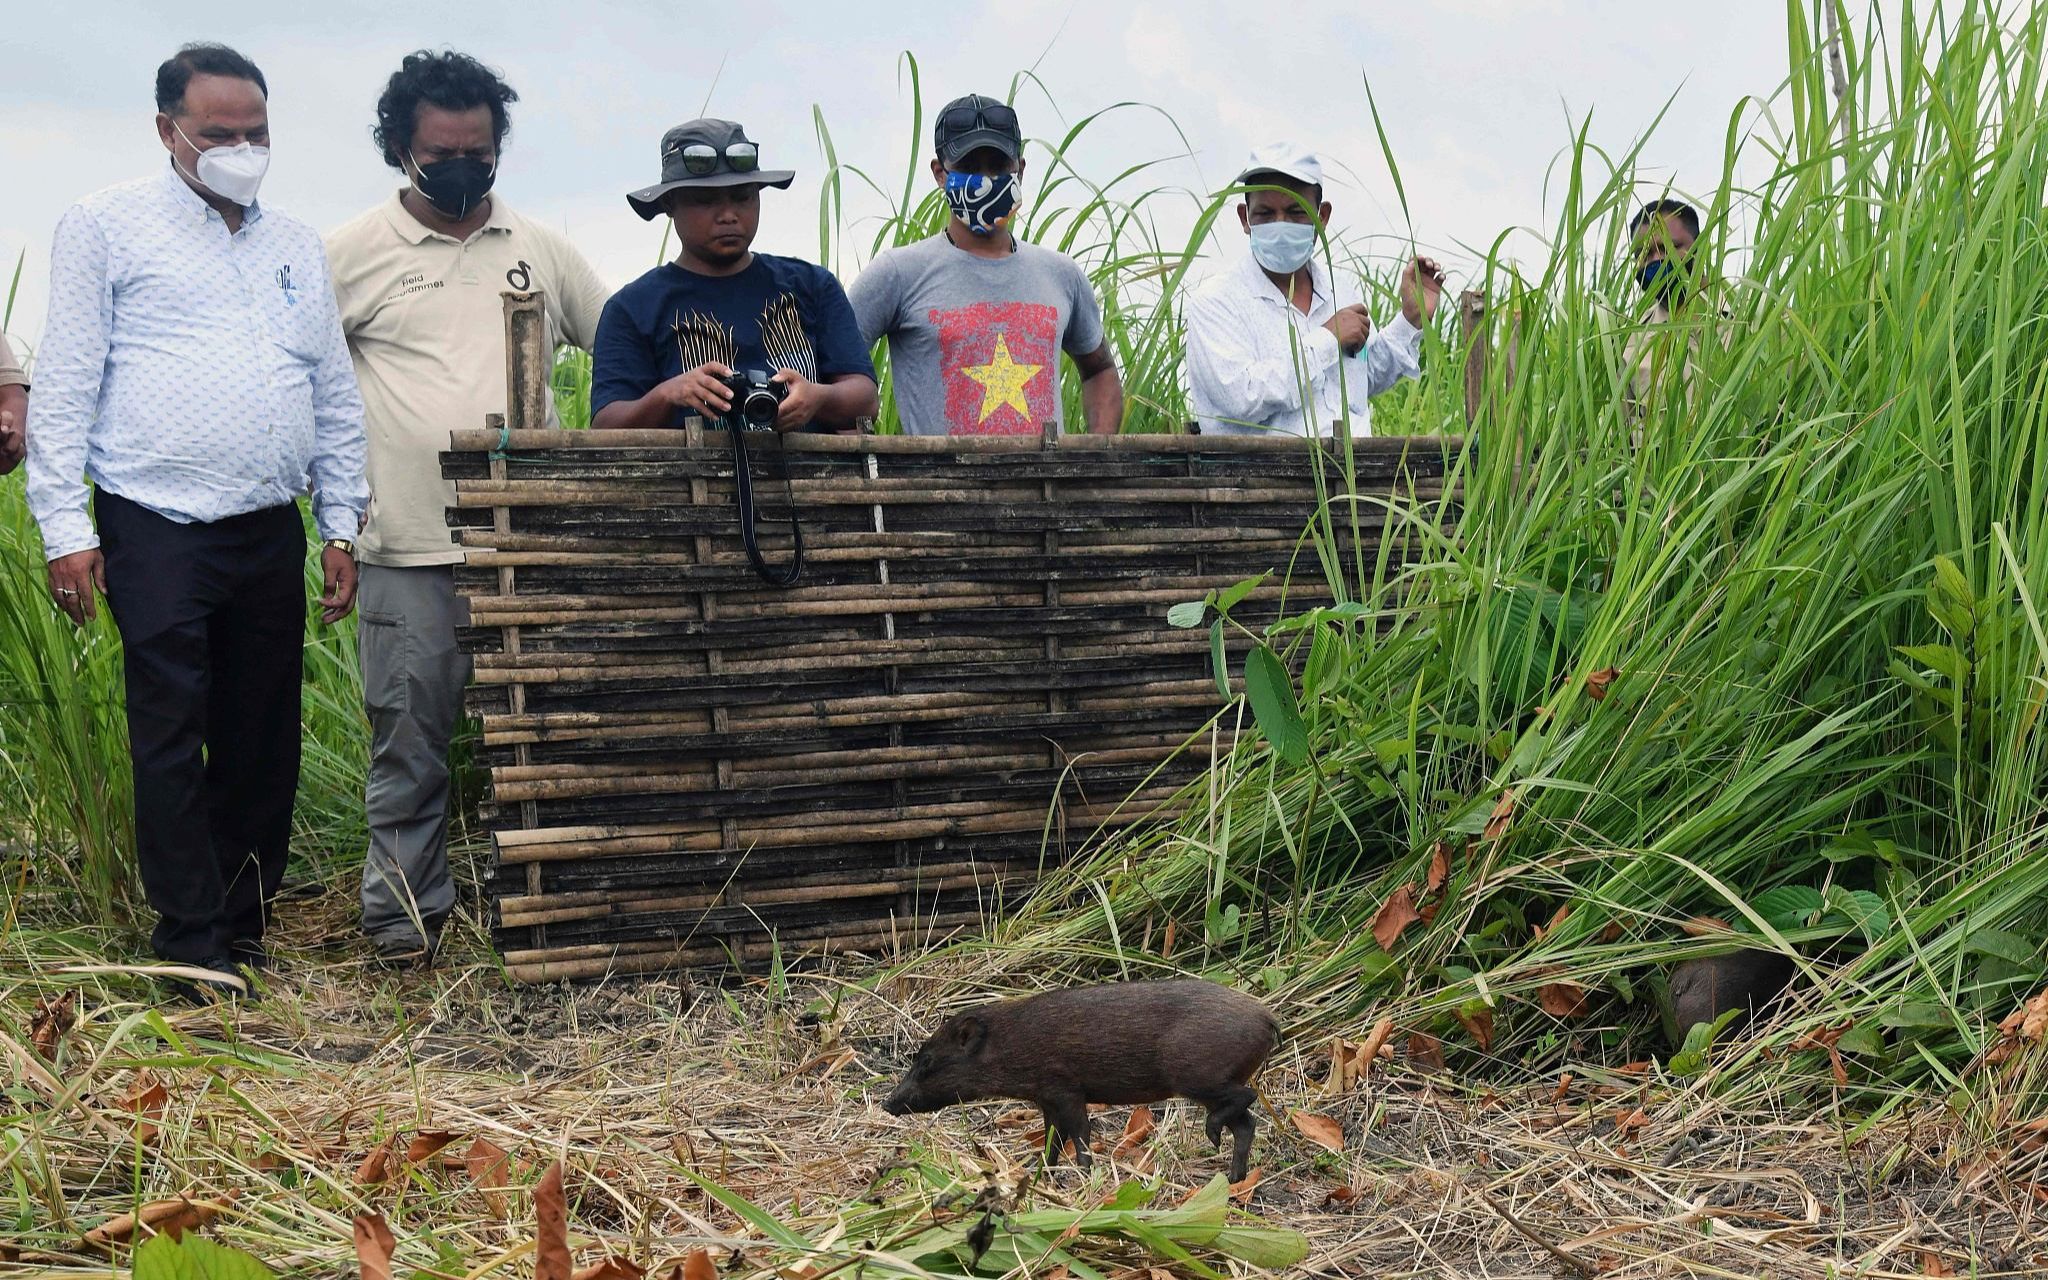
974	680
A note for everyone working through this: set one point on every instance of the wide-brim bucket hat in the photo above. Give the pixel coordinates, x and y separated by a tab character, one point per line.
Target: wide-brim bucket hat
683	163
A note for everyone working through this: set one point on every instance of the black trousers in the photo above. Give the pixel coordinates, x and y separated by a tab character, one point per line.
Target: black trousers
213	625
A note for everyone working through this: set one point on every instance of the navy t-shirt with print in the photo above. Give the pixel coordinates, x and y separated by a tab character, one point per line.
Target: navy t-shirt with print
780	313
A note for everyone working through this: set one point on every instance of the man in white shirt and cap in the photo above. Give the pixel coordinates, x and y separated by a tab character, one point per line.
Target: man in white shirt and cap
1277	324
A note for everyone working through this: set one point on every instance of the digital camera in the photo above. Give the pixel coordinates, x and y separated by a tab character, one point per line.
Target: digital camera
755	400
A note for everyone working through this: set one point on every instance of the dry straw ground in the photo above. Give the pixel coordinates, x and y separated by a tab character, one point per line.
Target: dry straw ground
349	1090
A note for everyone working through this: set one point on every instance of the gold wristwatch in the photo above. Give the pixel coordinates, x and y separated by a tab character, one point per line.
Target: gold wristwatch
342	545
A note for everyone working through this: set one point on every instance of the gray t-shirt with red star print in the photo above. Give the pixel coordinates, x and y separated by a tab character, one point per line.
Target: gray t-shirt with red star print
974	342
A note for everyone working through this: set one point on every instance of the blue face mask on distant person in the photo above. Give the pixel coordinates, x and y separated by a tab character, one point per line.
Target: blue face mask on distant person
1662	279
1283	247
984	201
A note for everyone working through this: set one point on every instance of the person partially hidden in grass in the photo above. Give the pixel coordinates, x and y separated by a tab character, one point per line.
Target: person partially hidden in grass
669	342
13	409
193	366
1675	312
977	319
420	279
1277	324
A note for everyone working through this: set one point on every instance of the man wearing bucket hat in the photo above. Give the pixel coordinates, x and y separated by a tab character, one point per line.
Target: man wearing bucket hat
668	341
1278	319
976	319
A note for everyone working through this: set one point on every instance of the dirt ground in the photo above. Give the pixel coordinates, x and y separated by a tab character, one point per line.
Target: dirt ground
774	1094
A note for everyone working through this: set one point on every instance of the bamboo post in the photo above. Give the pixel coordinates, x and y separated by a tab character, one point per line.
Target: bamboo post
1472	324
526	409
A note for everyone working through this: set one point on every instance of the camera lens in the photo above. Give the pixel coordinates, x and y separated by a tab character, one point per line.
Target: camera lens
760	407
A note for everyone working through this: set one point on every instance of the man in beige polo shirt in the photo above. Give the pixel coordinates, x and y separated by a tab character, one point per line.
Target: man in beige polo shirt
13	409
418	278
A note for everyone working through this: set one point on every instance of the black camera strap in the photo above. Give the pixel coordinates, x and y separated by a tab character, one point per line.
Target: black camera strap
743	483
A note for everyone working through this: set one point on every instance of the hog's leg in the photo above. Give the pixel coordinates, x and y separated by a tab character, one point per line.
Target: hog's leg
1232	1109
1066	1120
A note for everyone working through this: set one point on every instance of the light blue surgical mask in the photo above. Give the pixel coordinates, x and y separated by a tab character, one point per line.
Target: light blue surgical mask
1283	247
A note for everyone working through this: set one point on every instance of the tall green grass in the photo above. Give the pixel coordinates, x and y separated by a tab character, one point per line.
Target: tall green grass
1819	569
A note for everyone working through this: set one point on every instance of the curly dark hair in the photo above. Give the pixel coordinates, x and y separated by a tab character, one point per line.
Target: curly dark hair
449	80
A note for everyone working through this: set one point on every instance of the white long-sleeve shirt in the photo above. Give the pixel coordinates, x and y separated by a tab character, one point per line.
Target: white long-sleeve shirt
1245	372
198	373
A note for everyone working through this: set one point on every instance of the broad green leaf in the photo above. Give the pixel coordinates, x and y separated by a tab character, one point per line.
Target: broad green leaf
1271	691
1219	661
1861	908
1234	594
1789	906
194	1257
2006	946
1866	1038
1188	613
1940	658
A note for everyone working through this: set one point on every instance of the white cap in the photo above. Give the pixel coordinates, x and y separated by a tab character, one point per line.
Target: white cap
1290	159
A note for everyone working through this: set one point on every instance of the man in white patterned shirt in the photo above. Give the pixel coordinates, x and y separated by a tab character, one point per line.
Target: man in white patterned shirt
193	365
1277	322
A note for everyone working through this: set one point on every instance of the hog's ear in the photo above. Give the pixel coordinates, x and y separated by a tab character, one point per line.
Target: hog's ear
970	1033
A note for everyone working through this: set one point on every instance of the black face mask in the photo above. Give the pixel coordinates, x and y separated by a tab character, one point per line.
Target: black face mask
457	186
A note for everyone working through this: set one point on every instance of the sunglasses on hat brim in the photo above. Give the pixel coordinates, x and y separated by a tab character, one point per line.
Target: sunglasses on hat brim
701	158
992	116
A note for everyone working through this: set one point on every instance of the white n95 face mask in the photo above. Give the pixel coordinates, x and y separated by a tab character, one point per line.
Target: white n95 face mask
1283	247
232	173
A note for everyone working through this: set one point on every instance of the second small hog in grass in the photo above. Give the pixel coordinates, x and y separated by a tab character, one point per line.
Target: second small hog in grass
1121	1043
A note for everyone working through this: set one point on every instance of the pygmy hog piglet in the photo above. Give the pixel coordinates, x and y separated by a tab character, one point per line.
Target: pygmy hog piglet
1120	1043
1702	990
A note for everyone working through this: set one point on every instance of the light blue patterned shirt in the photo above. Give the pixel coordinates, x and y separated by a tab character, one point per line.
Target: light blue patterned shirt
197	373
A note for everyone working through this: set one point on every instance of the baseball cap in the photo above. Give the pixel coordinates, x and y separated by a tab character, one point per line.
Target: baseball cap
698	153
1288	159
976	121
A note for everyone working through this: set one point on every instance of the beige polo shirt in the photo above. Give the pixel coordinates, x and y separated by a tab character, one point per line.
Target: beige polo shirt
426	327
11	374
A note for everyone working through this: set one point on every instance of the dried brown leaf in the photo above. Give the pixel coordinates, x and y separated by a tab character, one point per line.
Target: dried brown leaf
696	1265
2034	1019
1502	815
48	1023
1439	867
491	1169
1340	1195
1138	1129
1396	915
1321	1130
147	1097
1597	682
1242	1191
171	1218
376	1167
1426	1049
1564	1086
1480	1025
1375	1044
1705	926
611	1267
426	1143
1931	1264
373	1246
1166	941
1630	1123
551	1227
1562	999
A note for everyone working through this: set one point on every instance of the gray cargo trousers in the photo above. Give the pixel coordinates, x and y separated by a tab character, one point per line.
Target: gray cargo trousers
413	678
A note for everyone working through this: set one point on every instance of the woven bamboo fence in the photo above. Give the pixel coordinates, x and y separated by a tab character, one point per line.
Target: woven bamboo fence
974	678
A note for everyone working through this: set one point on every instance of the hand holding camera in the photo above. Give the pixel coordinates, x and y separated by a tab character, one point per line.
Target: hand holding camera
705	390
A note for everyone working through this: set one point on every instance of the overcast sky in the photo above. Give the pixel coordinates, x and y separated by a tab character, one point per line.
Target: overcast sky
1479	98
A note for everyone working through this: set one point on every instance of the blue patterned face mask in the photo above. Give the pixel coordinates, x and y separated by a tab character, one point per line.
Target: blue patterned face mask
985	202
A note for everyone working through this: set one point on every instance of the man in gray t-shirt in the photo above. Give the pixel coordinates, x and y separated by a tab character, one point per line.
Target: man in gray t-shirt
975	318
